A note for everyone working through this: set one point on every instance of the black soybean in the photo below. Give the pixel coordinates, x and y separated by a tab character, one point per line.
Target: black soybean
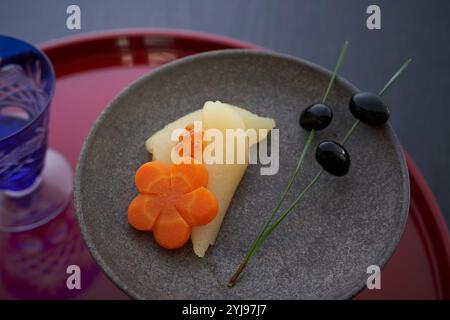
333	158
317	116
369	108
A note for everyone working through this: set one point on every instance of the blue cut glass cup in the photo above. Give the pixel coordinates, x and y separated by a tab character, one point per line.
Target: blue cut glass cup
35	182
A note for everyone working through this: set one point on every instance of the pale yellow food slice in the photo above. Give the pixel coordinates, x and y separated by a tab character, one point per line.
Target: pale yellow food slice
253	121
160	144
223	178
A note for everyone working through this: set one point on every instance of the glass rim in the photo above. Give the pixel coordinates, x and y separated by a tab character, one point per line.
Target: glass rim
51	72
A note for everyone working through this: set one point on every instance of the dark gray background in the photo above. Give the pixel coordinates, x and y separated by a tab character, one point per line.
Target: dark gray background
311	29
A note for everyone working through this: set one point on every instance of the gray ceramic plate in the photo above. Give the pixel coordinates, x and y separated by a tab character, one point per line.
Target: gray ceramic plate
324	247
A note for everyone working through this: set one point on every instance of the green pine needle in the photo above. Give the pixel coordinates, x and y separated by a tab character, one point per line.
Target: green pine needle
266	231
256	243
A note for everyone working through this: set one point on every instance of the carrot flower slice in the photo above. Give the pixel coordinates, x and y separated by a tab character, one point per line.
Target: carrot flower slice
186	177
172	200
143	212
153	178
198	207
171	230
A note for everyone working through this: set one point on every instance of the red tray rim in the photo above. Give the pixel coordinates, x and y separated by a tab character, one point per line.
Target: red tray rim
438	218
161	32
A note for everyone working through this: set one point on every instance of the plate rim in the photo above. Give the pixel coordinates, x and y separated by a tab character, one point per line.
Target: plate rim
355	286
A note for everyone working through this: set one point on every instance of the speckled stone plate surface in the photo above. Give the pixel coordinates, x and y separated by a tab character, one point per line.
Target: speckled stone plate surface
322	250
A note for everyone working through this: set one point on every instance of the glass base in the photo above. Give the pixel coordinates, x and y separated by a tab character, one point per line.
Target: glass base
43	201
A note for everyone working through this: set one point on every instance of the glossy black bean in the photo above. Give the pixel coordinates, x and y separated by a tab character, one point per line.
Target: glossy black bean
369	108
317	116
333	158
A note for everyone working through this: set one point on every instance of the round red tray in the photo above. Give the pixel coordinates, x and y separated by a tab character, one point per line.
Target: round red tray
91	70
